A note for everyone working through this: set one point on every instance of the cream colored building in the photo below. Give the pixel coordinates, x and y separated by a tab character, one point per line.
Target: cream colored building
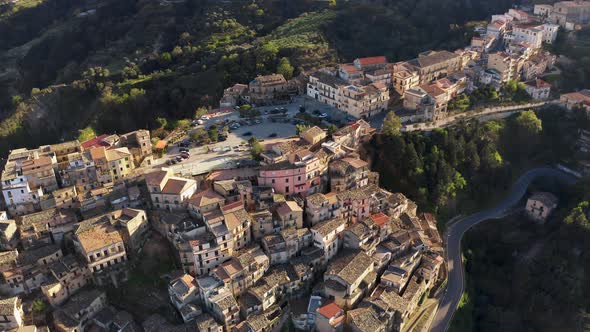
507	65
168	191
263	89
103	248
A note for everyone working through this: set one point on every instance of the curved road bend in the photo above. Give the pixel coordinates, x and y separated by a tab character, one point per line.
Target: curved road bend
450	300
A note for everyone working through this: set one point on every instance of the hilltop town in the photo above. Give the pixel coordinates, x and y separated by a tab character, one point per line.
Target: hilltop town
261	215
308	228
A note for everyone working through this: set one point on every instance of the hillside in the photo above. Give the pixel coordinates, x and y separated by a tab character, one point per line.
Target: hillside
526	277
116	65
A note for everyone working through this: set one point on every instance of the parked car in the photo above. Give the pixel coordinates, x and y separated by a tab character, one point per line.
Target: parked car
257	121
323	115
226	148
248	133
179	158
205	117
234	126
273	135
316	112
200	122
183	150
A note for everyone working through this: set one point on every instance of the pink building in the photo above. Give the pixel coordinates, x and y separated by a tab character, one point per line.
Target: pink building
301	174
355	204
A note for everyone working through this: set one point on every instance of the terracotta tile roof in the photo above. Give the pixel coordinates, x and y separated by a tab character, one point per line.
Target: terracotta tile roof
95	142
288	207
98	153
161	145
350	266
326	227
380	219
155	178
351	69
116	154
375	60
330	310
174	186
314	131
99	237
232	206
356	162
205	198
316	199
432	89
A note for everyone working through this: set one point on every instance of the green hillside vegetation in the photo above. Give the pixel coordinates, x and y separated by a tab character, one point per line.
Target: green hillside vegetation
525	277
575	71
460	169
166	60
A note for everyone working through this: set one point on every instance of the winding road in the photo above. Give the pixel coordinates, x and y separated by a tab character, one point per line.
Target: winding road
450	300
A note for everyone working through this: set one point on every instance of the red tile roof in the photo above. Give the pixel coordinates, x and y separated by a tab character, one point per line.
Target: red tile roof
349	68
232	206
538	83
95	142
374	60
330	310
380	219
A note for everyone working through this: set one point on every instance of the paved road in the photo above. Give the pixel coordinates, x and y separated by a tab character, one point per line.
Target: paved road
454	234
482	115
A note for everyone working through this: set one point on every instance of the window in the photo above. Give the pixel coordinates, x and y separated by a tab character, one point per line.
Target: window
287	180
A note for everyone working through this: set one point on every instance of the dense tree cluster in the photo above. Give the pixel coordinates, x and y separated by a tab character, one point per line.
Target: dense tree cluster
469	163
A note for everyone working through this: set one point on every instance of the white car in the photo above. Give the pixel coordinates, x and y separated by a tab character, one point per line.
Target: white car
200	122
323	115
205	118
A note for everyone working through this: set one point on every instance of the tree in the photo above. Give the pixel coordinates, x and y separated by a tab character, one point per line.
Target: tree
199	112
200	136
391	125
177	51
165	58
86	134
162	122
16	100
184	38
285	68
331	129
213	133
256	148
38	306
301	128
529	123
266	54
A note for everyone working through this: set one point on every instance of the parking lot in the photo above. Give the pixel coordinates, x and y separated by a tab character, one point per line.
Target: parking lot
234	151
